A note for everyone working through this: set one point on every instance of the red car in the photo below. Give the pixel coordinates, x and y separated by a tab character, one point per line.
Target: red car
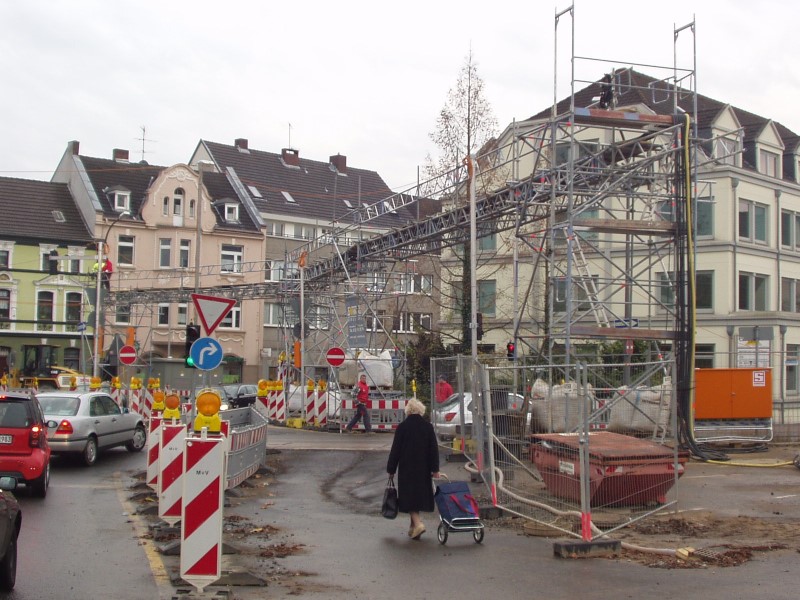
24	451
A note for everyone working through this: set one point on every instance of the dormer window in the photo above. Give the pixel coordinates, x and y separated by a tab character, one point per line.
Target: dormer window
725	150
768	163
231	213
121	200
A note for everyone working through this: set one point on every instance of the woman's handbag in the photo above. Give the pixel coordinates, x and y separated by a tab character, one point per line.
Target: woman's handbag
389	506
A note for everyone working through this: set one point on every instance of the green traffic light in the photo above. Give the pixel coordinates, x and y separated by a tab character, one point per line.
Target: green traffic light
189	362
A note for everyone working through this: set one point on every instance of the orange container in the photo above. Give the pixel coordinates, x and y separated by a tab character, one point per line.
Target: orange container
722	394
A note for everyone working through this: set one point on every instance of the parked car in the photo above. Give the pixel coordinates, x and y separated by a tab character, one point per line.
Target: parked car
10	523
83	423
24	448
240	395
446	417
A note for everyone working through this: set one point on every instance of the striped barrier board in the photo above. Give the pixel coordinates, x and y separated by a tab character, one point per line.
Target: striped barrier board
153	448
170	476
201	513
384	414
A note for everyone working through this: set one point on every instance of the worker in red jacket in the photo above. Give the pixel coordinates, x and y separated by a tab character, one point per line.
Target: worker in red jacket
443	390
361	393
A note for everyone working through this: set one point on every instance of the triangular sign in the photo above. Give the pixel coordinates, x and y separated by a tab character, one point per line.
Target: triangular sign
211	310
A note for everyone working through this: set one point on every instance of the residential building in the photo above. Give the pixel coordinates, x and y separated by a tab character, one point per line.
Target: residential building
46	285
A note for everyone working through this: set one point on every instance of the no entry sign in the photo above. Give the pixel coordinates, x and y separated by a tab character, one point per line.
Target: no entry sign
335	356
127	355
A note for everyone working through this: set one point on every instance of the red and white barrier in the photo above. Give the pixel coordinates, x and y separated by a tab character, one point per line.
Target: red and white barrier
201	514
135	401
310	407
390	413
322	409
170	471
153	447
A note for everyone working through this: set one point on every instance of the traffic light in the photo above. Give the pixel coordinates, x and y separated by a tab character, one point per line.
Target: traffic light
511	350
192	335
479	333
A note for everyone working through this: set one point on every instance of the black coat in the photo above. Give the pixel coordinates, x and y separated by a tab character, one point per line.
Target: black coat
415	454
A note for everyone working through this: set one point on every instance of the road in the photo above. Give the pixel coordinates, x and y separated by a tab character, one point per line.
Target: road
311	528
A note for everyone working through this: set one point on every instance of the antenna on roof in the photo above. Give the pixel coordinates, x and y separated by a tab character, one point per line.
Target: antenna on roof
143	139
290	135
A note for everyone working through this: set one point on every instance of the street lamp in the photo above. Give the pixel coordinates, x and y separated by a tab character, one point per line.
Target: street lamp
101	245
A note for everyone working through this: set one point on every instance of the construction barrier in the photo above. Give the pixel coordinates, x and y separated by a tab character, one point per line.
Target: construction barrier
247	444
154	435
201	513
383	414
170	466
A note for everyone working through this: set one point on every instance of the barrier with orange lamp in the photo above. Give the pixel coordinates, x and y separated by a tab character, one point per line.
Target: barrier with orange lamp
154	438
135	391
322	405
310	408
203	486
172	438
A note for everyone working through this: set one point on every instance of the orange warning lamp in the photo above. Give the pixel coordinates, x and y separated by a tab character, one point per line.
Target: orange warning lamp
173	407
263	388
94	383
208	404
158	401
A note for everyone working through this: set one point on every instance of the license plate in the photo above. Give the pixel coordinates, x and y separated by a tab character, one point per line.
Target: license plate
6	439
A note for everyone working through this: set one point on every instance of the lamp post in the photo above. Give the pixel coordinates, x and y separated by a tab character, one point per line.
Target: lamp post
101	245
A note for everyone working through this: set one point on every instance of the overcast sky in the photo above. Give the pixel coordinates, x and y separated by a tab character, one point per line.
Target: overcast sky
364	79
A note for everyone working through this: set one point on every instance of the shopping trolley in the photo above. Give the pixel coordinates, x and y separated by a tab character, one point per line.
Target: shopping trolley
458	510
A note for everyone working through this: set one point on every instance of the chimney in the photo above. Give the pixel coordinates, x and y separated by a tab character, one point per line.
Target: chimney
74	147
241	143
340	163
290	157
120	155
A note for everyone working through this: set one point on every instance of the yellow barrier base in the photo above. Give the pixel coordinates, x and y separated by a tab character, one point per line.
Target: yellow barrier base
469	444
295	422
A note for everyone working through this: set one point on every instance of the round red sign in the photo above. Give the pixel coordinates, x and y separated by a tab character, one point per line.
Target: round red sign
127	355
335	356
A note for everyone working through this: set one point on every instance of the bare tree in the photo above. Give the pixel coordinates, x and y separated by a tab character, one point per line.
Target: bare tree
464	126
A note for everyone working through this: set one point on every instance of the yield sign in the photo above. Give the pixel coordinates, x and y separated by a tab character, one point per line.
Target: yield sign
211	310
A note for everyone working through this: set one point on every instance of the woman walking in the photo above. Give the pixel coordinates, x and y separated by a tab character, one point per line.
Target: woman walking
415	454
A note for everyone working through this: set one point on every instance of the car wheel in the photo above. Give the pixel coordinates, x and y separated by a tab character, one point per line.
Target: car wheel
41	484
90	452
8	566
138	440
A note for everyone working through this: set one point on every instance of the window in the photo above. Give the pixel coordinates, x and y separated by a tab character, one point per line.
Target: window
704	290
45	256
165	206
123	314
72	313
753	289
44	311
752	221
5	309
666	289
304	232
277	270
163	314
584	148
374	321
164	253
792	370
185	251
273	228
790	229
378	283
183	310
5	259
488	242
725	150
273	314
121	201
72	358
231	258
232	213
415	283
288	197
580	298
177	202
487	297
704	356
191	208
768	163
125	254
408	322
790	294
233	320
704	210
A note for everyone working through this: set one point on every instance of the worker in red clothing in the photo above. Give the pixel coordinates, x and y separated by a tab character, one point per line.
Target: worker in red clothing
361	393
106	272
443	390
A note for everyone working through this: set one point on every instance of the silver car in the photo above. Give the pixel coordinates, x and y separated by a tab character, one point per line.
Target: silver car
82	423
446	416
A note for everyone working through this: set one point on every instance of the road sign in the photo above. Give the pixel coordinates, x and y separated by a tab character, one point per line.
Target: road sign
335	356
206	353
211	310
127	355
626	322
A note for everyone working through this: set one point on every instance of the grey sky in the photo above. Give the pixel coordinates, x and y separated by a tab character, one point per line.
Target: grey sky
364	79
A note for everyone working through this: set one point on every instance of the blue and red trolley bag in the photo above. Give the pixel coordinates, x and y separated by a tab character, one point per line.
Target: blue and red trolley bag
458	510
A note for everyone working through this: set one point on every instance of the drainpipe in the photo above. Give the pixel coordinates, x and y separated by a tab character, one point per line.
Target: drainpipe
735	278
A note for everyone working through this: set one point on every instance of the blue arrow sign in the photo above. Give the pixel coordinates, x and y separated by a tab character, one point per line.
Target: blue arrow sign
206	353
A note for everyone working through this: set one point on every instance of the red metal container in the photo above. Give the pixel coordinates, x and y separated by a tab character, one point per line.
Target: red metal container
623	470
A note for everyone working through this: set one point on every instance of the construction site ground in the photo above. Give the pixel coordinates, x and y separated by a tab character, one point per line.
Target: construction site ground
286	524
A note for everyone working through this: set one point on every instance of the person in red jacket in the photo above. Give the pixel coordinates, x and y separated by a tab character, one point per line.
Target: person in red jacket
361	392
443	390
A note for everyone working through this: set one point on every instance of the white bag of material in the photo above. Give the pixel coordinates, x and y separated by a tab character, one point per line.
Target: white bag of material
641	409
378	369
557	409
